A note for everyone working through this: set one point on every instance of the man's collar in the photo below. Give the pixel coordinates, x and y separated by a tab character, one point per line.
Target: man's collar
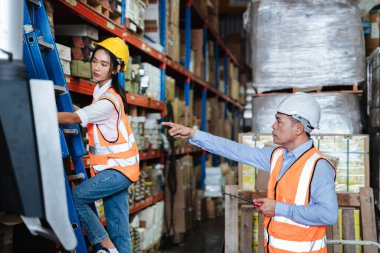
301	149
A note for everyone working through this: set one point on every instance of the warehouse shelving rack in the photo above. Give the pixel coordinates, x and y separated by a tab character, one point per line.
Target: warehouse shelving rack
193	18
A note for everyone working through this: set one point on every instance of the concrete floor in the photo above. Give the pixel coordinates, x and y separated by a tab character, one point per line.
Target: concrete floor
207	238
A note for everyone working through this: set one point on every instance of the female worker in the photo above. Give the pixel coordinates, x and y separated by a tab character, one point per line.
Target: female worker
113	152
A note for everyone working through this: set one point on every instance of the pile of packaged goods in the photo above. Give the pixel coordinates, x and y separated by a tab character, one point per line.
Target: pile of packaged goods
149	184
315	53
75	48
147	131
146	227
342	118
348	153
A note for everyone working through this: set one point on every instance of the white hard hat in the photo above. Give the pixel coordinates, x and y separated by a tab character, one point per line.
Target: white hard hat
302	106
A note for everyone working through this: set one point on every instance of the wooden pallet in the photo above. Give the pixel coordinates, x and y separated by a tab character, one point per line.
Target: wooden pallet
133	27
349	201
103	10
323	89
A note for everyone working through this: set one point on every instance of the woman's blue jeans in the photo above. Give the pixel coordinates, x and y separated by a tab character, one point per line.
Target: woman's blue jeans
112	187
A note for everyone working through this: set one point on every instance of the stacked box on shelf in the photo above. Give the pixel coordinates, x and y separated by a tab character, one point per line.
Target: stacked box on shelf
213	14
221	73
80	30
152	130
197	46
179	116
80	37
65	57
373	41
148	227
353	152
133	86
201	6
173	31
81	46
233	81
134	14
129	77
352	171
50	15
114	7
155	177
137	125
152	20
183	197
169	88
183	53
210	76
154	74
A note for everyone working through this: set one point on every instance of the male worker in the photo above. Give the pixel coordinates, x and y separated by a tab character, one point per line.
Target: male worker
301	198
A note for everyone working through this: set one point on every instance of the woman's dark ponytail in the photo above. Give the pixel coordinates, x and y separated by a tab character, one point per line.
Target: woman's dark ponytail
120	90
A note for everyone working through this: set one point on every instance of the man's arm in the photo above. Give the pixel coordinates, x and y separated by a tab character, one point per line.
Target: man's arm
256	157
323	207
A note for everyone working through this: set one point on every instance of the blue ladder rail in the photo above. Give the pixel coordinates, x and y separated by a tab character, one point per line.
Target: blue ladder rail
42	62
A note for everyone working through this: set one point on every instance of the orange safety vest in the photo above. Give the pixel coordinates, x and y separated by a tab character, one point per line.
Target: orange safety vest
121	155
280	233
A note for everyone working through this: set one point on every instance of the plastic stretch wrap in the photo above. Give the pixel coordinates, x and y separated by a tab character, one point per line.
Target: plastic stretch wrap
373	89
340	113
305	43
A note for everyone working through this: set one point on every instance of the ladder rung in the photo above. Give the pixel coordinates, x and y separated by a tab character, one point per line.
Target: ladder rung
36	3
44	45
76	177
28	29
70	131
59	89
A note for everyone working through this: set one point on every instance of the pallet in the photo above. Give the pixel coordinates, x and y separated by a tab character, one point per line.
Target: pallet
103	10
133	27
155	247
347	201
354	89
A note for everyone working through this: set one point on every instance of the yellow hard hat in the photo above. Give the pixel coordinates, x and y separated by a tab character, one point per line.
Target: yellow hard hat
118	48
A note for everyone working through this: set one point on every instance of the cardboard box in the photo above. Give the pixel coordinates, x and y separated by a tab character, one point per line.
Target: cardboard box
65	66
201	6
374	36
173	42
82	42
63	52
169	88
80	69
77	30
173	12
83	54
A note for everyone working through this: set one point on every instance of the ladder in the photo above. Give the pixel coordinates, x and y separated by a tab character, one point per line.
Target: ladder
41	59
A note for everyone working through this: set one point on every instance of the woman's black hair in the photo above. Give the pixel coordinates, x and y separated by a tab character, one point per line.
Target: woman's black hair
115	80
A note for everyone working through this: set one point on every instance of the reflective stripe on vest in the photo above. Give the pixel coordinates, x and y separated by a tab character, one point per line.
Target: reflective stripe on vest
106	150
122	154
293	246
117	162
275	157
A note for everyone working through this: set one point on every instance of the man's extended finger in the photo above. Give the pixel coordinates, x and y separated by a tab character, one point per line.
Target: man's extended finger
169	124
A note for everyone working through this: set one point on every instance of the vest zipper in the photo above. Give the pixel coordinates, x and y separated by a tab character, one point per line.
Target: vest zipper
268	234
